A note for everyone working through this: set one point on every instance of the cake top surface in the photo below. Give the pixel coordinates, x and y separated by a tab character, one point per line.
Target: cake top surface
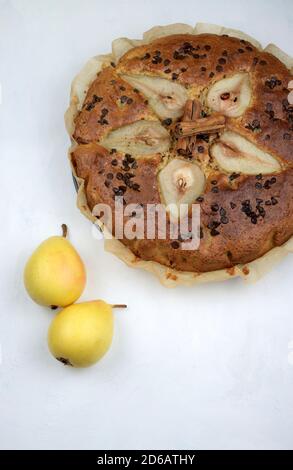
210	109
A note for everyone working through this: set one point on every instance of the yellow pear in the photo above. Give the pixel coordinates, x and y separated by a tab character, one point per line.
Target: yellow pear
55	274
81	334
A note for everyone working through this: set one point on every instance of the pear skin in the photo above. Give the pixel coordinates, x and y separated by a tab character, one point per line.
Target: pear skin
80	335
55	274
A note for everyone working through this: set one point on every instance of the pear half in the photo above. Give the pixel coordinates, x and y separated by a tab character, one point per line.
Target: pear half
234	153
166	98
180	182
140	137
230	96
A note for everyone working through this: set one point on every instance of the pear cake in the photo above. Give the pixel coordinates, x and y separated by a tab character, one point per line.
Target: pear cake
196	116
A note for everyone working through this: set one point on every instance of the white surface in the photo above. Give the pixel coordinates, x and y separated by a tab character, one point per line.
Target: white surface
204	367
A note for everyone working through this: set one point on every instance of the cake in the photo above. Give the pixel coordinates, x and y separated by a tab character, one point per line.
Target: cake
194	115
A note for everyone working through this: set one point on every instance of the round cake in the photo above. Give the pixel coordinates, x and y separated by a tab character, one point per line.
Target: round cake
195	118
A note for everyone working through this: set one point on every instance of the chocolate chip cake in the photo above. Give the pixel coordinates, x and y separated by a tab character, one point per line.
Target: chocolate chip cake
193	115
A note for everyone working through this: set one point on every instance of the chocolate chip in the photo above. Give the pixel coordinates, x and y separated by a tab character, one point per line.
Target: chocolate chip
175	245
157	60
254	125
222	212
122	189
102	121
178	56
234	176
273	82
225	96
213	224
146	56
219	68
267	184
167	122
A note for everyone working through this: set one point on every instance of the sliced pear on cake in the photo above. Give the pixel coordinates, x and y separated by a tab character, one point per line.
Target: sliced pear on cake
234	153
165	97
230	96
140	138
180	182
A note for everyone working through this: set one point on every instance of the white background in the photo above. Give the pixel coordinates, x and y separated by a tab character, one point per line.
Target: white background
190	368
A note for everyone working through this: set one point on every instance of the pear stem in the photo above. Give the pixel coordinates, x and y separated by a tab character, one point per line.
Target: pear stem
119	306
64	230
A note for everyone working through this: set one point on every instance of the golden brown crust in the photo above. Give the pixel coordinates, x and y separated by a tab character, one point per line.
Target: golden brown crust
105	173
110	103
267	122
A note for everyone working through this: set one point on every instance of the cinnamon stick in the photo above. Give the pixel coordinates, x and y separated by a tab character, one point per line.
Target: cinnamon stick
208	125
192	112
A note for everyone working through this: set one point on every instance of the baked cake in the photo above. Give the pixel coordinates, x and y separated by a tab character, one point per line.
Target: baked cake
195	115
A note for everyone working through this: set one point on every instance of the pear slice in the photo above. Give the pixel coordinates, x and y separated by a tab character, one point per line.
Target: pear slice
166	98
230	96
180	182
236	154
141	138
